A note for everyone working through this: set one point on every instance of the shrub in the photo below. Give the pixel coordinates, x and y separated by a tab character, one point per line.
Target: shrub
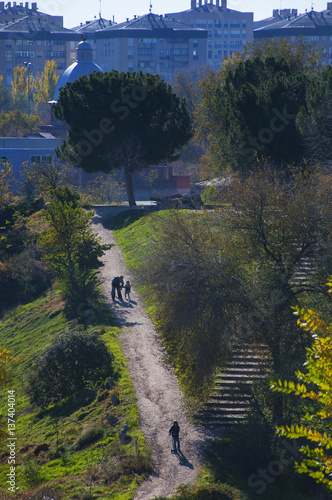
66	366
89	436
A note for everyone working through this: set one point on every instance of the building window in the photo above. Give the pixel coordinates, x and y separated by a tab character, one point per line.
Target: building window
8	55
130	54
24	53
244	23
217	45
244	34
130	42
217	23
225	44
201	23
235	23
195	54
146	52
210	23
9	68
8	43
195	43
55	54
39	159
39	54
217	34
234	34
225	23
235	44
209	54
209	34
225	33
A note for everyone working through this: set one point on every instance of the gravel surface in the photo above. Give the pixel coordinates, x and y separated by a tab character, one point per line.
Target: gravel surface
159	397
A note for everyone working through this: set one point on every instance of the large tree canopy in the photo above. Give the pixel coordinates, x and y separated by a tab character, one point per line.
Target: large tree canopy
117	120
315	118
253	113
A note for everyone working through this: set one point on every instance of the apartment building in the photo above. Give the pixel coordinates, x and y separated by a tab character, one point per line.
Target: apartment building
228	30
88	30
151	44
31	37
311	26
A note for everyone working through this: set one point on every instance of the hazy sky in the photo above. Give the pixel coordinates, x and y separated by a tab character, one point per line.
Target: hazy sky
77	11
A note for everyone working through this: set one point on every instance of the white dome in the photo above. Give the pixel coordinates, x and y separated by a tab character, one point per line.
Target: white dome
83	66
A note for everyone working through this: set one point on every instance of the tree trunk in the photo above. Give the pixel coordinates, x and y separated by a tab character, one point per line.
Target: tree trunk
129	186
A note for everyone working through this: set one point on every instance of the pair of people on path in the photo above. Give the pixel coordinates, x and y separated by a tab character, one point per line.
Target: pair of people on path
174	432
117	285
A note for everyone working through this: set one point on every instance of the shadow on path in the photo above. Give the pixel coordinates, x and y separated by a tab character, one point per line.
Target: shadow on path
183	460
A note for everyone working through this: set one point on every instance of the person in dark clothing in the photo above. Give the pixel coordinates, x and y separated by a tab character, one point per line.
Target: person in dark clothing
117	284
174	432
127	290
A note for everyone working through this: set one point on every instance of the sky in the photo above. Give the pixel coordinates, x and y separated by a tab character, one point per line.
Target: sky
76	11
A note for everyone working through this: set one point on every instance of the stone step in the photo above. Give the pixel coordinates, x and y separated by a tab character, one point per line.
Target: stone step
229	402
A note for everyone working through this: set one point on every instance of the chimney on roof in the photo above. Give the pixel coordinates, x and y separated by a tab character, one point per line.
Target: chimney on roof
224	4
14	4
27	5
294	12
218	3
34	6
206	1
329	5
193	4
199	3
2	6
9	5
275	12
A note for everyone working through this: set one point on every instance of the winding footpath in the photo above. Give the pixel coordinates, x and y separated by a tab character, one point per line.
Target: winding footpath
159	398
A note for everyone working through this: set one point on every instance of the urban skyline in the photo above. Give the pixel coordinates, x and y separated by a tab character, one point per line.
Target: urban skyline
78	11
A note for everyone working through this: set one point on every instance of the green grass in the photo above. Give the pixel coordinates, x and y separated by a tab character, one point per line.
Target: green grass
47	440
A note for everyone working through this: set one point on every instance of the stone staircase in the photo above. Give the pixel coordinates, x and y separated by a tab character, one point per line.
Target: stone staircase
229	401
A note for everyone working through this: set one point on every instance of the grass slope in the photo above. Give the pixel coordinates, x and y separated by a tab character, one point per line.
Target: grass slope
71	450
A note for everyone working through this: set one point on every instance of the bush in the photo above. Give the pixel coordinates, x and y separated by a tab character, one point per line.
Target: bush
89	436
66	366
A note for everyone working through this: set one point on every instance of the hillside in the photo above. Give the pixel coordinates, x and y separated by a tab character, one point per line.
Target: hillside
73	448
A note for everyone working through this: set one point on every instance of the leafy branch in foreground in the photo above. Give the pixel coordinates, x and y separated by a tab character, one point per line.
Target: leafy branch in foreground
315	385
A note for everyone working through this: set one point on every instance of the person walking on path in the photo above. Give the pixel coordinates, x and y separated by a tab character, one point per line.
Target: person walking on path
127	290
117	284
174	432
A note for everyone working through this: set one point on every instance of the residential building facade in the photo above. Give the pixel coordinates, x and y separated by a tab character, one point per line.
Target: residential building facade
28	36
228	30
311	26
151	44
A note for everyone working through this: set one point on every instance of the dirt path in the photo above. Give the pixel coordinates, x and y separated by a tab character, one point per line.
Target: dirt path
159	398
